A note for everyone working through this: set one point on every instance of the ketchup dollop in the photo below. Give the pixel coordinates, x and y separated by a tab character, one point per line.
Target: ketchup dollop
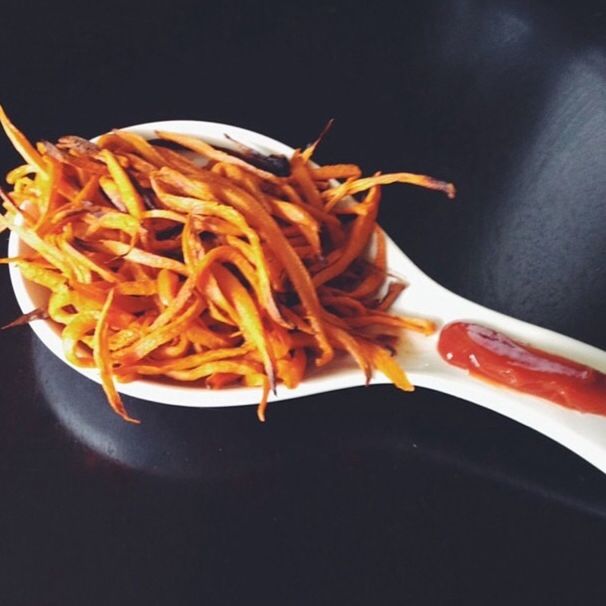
490	355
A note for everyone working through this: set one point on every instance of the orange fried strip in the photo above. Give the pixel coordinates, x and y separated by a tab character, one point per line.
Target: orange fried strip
101	356
218	272
335	171
249	319
332	196
141	146
72	334
271	231
356	242
208	151
302	177
146	344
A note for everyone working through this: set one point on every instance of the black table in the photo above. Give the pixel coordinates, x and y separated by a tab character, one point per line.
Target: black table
366	496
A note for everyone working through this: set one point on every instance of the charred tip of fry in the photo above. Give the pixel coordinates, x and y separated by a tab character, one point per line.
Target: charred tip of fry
277	164
36	314
391	350
321	136
443	186
271	379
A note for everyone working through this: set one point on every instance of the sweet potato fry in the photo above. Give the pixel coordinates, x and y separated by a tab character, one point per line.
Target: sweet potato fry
21	144
193	264
102	358
332	196
128	194
357	241
216	155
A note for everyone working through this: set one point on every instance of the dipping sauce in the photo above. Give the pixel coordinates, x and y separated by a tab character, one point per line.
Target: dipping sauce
492	356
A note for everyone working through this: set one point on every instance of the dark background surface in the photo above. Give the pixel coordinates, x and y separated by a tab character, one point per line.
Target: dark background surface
358	497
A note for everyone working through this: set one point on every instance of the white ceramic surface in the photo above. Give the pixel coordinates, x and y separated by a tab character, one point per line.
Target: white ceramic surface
585	434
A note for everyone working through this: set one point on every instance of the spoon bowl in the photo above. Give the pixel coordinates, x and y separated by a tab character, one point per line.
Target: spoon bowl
584	434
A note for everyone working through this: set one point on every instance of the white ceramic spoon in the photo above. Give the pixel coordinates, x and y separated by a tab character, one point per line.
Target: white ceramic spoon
584	434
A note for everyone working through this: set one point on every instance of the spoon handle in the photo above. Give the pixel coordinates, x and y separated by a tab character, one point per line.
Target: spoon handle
583	433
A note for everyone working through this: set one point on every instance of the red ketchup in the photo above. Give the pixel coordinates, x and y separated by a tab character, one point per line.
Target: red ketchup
492	356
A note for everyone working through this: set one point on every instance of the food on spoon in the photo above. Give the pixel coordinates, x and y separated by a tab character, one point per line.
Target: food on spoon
222	274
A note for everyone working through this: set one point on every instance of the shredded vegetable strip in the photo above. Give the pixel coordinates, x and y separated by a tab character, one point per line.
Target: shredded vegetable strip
176	259
102	357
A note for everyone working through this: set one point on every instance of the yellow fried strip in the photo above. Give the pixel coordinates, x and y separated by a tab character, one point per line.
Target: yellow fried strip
21	144
138	255
34	272
384	362
426	327
332	196
73	333
128	194
167	286
44	249
86	262
147	151
249	319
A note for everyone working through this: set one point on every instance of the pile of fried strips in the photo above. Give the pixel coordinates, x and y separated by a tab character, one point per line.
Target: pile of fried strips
173	258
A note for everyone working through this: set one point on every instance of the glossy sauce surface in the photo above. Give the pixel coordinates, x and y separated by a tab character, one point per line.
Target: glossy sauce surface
490	355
